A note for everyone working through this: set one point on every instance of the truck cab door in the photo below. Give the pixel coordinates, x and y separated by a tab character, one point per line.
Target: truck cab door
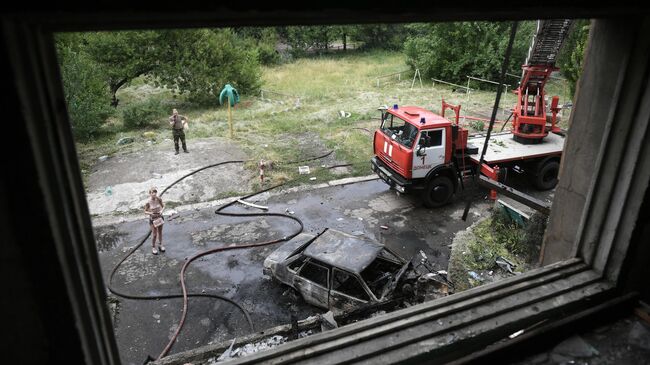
430	151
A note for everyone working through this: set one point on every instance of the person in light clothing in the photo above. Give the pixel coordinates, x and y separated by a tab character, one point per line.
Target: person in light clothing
154	209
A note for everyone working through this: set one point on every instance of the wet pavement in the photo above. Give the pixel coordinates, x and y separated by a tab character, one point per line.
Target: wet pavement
144	327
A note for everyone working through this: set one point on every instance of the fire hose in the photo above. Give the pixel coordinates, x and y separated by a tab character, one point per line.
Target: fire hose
185	295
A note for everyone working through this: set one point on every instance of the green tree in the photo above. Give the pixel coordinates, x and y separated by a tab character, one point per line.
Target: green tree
201	62
573	52
124	56
264	39
198	62
453	51
86	93
303	39
380	36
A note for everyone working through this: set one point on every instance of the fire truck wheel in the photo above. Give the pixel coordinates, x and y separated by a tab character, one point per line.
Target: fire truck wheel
546	177
438	192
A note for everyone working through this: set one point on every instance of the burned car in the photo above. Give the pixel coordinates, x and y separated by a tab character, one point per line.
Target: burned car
343	273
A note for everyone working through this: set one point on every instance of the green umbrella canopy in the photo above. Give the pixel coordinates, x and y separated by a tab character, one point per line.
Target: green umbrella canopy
229	92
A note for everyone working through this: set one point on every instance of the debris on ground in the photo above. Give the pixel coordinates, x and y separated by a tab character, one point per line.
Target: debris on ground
383	227
505	264
573	347
291	212
303	170
312	178
103	158
344	114
261	207
327	321
475	276
125	140
149	135
228	353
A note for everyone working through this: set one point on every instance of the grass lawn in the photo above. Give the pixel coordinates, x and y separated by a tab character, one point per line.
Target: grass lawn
298	114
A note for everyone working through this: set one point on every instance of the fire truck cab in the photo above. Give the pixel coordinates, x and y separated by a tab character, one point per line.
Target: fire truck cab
413	151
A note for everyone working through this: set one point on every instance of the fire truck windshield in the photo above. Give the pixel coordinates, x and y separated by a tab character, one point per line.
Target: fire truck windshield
398	130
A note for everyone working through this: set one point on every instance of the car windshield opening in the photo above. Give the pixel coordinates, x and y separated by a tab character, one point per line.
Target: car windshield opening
399	130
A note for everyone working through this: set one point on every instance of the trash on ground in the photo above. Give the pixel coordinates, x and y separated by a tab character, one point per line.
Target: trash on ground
252	205
103	158
344	114
505	264
303	170
227	354
149	135
108	191
312	178
289	211
475	276
327	321
383	227
125	140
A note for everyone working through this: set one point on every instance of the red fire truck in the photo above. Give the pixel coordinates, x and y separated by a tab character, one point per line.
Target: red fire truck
416	149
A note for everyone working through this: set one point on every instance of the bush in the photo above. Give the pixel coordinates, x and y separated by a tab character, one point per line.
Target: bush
267	54
142	114
477	125
86	92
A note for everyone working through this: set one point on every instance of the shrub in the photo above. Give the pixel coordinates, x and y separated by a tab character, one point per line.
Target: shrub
477	125
142	114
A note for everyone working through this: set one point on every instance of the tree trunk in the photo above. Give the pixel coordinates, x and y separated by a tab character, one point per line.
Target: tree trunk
345	42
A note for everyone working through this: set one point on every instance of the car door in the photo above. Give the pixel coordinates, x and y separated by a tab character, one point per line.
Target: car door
312	281
348	292
429	153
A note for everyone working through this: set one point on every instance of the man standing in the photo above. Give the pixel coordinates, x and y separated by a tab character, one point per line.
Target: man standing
178	122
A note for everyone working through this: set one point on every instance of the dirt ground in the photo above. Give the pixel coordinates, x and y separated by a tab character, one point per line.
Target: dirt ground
119	184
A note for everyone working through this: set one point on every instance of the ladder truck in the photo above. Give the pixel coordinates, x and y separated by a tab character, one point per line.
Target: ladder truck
415	149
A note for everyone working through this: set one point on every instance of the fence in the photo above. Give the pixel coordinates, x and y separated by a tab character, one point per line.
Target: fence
416	75
469	78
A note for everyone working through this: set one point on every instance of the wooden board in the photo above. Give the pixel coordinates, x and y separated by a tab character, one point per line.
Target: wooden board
503	148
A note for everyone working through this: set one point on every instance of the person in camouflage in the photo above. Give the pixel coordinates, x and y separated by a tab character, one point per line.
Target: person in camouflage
178	122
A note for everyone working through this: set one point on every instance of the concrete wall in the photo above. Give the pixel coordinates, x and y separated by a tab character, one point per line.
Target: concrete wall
606	58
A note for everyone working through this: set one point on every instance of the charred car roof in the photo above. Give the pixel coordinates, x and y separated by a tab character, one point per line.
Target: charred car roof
343	250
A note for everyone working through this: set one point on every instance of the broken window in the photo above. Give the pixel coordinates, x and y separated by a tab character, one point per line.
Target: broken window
348	284
297	262
315	273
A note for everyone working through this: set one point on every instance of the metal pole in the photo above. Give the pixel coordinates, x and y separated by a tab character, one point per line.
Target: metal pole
504	67
229	117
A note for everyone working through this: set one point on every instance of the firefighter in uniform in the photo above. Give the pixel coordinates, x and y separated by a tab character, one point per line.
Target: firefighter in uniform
178	122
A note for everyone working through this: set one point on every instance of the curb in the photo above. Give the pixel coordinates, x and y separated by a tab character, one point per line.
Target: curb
101	221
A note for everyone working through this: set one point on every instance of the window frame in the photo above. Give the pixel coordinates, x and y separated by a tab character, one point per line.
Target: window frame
361	283
602	239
